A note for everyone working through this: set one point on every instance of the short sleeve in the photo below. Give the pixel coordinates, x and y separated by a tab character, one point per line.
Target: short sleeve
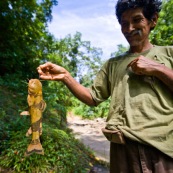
100	90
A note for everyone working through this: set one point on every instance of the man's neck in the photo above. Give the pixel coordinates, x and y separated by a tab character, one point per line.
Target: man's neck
140	48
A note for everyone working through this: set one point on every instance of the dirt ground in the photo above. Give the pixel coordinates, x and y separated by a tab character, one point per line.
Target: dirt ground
89	132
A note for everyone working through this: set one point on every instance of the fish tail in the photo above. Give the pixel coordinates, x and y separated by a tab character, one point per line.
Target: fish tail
34	147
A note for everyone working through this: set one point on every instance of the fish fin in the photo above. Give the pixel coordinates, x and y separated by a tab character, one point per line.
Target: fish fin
29	132
25	113
43	106
34	148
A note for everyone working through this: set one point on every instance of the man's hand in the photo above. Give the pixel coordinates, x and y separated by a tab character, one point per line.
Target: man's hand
50	71
144	66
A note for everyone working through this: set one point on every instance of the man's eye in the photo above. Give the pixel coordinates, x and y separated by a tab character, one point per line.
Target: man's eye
137	20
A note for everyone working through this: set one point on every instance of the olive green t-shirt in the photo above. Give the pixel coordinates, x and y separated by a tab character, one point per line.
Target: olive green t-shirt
141	106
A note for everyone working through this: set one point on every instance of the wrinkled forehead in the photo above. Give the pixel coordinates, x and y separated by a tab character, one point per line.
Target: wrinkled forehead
132	13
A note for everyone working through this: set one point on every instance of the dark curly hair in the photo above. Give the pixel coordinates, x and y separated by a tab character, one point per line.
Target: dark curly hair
150	7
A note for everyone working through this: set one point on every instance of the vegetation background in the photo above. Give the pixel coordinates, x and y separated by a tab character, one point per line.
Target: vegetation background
24	44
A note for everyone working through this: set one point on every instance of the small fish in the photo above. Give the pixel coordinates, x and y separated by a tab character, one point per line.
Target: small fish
36	106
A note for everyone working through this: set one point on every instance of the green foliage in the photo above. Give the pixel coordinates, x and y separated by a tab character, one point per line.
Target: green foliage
163	32
91	112
76	55
23	35
10	121
63	154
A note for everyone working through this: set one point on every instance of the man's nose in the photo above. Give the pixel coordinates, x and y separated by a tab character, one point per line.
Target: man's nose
129	28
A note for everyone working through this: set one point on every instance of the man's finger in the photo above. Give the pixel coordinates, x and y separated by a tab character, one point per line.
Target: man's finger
45	77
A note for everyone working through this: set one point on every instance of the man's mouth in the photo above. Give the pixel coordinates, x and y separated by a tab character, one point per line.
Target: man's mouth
135	32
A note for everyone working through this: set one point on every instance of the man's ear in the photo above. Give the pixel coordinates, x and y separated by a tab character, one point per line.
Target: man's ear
154	20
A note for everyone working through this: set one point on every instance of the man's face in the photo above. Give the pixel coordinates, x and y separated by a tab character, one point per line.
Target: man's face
135	27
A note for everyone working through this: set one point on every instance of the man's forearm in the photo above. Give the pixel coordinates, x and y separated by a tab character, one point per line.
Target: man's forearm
79	91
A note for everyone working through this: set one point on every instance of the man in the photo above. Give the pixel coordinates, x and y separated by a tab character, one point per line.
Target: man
140	84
